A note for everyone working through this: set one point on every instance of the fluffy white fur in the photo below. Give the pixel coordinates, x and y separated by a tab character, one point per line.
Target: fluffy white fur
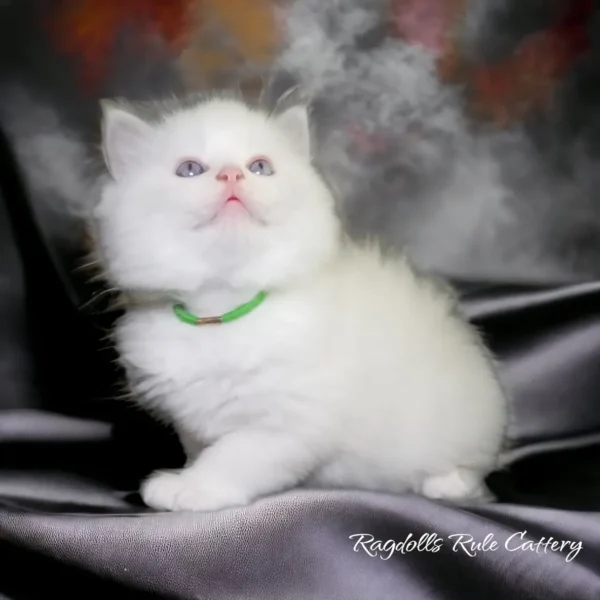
354	373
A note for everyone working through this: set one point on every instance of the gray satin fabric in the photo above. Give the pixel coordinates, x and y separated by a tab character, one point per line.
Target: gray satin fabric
299	546
549	370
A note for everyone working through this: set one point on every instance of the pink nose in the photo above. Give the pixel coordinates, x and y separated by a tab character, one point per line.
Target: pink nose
230	174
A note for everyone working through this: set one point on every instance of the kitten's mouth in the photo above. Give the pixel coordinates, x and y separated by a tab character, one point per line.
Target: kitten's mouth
231	207
235	204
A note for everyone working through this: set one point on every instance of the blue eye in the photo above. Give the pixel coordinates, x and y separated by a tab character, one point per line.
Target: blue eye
189	168
261	167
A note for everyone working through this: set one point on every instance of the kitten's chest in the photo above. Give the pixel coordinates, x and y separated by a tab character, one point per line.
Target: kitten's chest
165	357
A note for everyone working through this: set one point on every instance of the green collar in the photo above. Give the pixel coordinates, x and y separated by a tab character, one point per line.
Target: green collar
185	317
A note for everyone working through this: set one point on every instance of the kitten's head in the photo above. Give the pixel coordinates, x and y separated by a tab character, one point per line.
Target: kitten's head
213	194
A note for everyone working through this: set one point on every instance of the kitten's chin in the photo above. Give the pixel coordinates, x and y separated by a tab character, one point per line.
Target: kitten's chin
234	210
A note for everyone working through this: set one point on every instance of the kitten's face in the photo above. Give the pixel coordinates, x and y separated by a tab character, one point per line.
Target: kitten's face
217	194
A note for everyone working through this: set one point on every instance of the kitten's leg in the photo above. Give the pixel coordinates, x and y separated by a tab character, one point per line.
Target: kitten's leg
460	484
234	471
190	443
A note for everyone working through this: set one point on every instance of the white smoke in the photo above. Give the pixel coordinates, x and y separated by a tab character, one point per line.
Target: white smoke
464	202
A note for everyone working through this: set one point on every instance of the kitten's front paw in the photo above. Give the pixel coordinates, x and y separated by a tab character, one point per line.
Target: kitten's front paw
177	491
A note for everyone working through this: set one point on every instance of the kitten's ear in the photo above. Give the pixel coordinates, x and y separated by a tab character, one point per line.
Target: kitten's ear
295	122
123	137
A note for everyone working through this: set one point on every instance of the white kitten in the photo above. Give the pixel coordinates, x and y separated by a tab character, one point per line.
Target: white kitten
354	372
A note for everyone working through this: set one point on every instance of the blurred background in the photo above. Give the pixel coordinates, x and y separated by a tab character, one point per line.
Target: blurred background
465	131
